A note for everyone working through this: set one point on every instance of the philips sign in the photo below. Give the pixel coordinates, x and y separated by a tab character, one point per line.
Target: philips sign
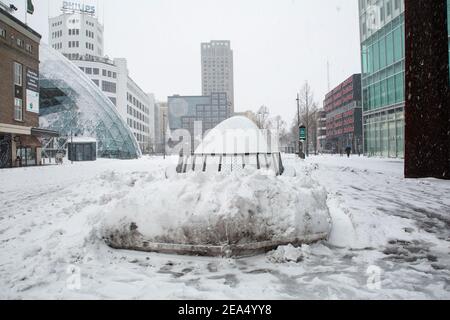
78	7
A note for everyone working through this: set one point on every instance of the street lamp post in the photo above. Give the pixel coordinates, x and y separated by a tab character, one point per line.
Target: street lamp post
301	143
164	135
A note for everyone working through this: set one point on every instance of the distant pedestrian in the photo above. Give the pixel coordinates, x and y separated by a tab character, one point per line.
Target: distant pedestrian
348	150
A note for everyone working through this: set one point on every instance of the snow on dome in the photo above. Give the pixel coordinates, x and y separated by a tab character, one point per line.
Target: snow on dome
237	135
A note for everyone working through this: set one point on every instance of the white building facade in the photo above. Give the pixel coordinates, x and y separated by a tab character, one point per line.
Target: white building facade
217	70
78	35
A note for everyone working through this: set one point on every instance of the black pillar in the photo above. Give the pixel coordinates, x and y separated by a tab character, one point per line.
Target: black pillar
427	132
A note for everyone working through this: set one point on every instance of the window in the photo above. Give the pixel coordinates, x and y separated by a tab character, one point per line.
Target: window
18	69
88	70
2	33
108	86
96	82
389	8
104	72
29	48
18	114
19	42
74	44
96	71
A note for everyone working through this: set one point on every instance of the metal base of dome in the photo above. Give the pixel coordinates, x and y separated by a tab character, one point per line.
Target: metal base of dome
134	241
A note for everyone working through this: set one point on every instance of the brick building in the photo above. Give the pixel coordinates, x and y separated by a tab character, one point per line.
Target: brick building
344	116
19	93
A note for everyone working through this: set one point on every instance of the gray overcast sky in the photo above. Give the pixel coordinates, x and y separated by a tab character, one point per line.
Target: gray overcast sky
278	44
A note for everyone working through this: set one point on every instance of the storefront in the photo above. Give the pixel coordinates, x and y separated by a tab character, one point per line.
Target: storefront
21	147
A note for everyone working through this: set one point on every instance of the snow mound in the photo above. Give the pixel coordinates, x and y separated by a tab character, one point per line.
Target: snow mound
229	215
285	254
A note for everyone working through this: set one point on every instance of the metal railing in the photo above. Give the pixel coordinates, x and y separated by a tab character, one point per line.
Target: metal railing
230	162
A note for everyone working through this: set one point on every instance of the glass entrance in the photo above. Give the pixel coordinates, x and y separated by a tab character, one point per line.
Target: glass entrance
26	157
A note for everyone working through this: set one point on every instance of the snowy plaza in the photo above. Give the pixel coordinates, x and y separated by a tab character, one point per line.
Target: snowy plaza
389	238
199	151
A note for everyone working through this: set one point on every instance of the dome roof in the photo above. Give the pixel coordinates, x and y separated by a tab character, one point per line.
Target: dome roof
71	103
237	135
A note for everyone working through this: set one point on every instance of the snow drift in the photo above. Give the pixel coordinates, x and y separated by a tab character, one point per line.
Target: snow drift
218	214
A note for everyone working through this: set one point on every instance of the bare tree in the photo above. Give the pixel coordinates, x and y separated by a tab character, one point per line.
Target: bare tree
279	126
308	117
262	117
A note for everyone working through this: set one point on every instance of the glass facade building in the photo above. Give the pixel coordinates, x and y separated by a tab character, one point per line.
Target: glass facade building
383	76
197	114
72	104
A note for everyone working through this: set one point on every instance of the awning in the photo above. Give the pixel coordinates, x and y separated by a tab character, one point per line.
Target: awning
38	132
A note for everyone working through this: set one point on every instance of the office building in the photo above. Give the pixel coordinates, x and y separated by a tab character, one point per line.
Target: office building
344	116
197	114
217	70
161	125
19	93
383	76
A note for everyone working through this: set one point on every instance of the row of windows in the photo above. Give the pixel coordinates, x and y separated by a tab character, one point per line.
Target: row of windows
74	44
383	74
76	56
137	103
137	126
57	34
94	71
109	74
214	107
215	114
141	139
383	52
384	93
89	34
19	42
89	46
74	32
55	24
384	134
138	115
57	46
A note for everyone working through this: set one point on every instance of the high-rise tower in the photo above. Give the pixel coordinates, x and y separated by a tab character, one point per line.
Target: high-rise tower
217	70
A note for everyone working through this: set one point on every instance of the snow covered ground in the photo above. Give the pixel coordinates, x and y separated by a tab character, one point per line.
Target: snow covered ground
390	238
